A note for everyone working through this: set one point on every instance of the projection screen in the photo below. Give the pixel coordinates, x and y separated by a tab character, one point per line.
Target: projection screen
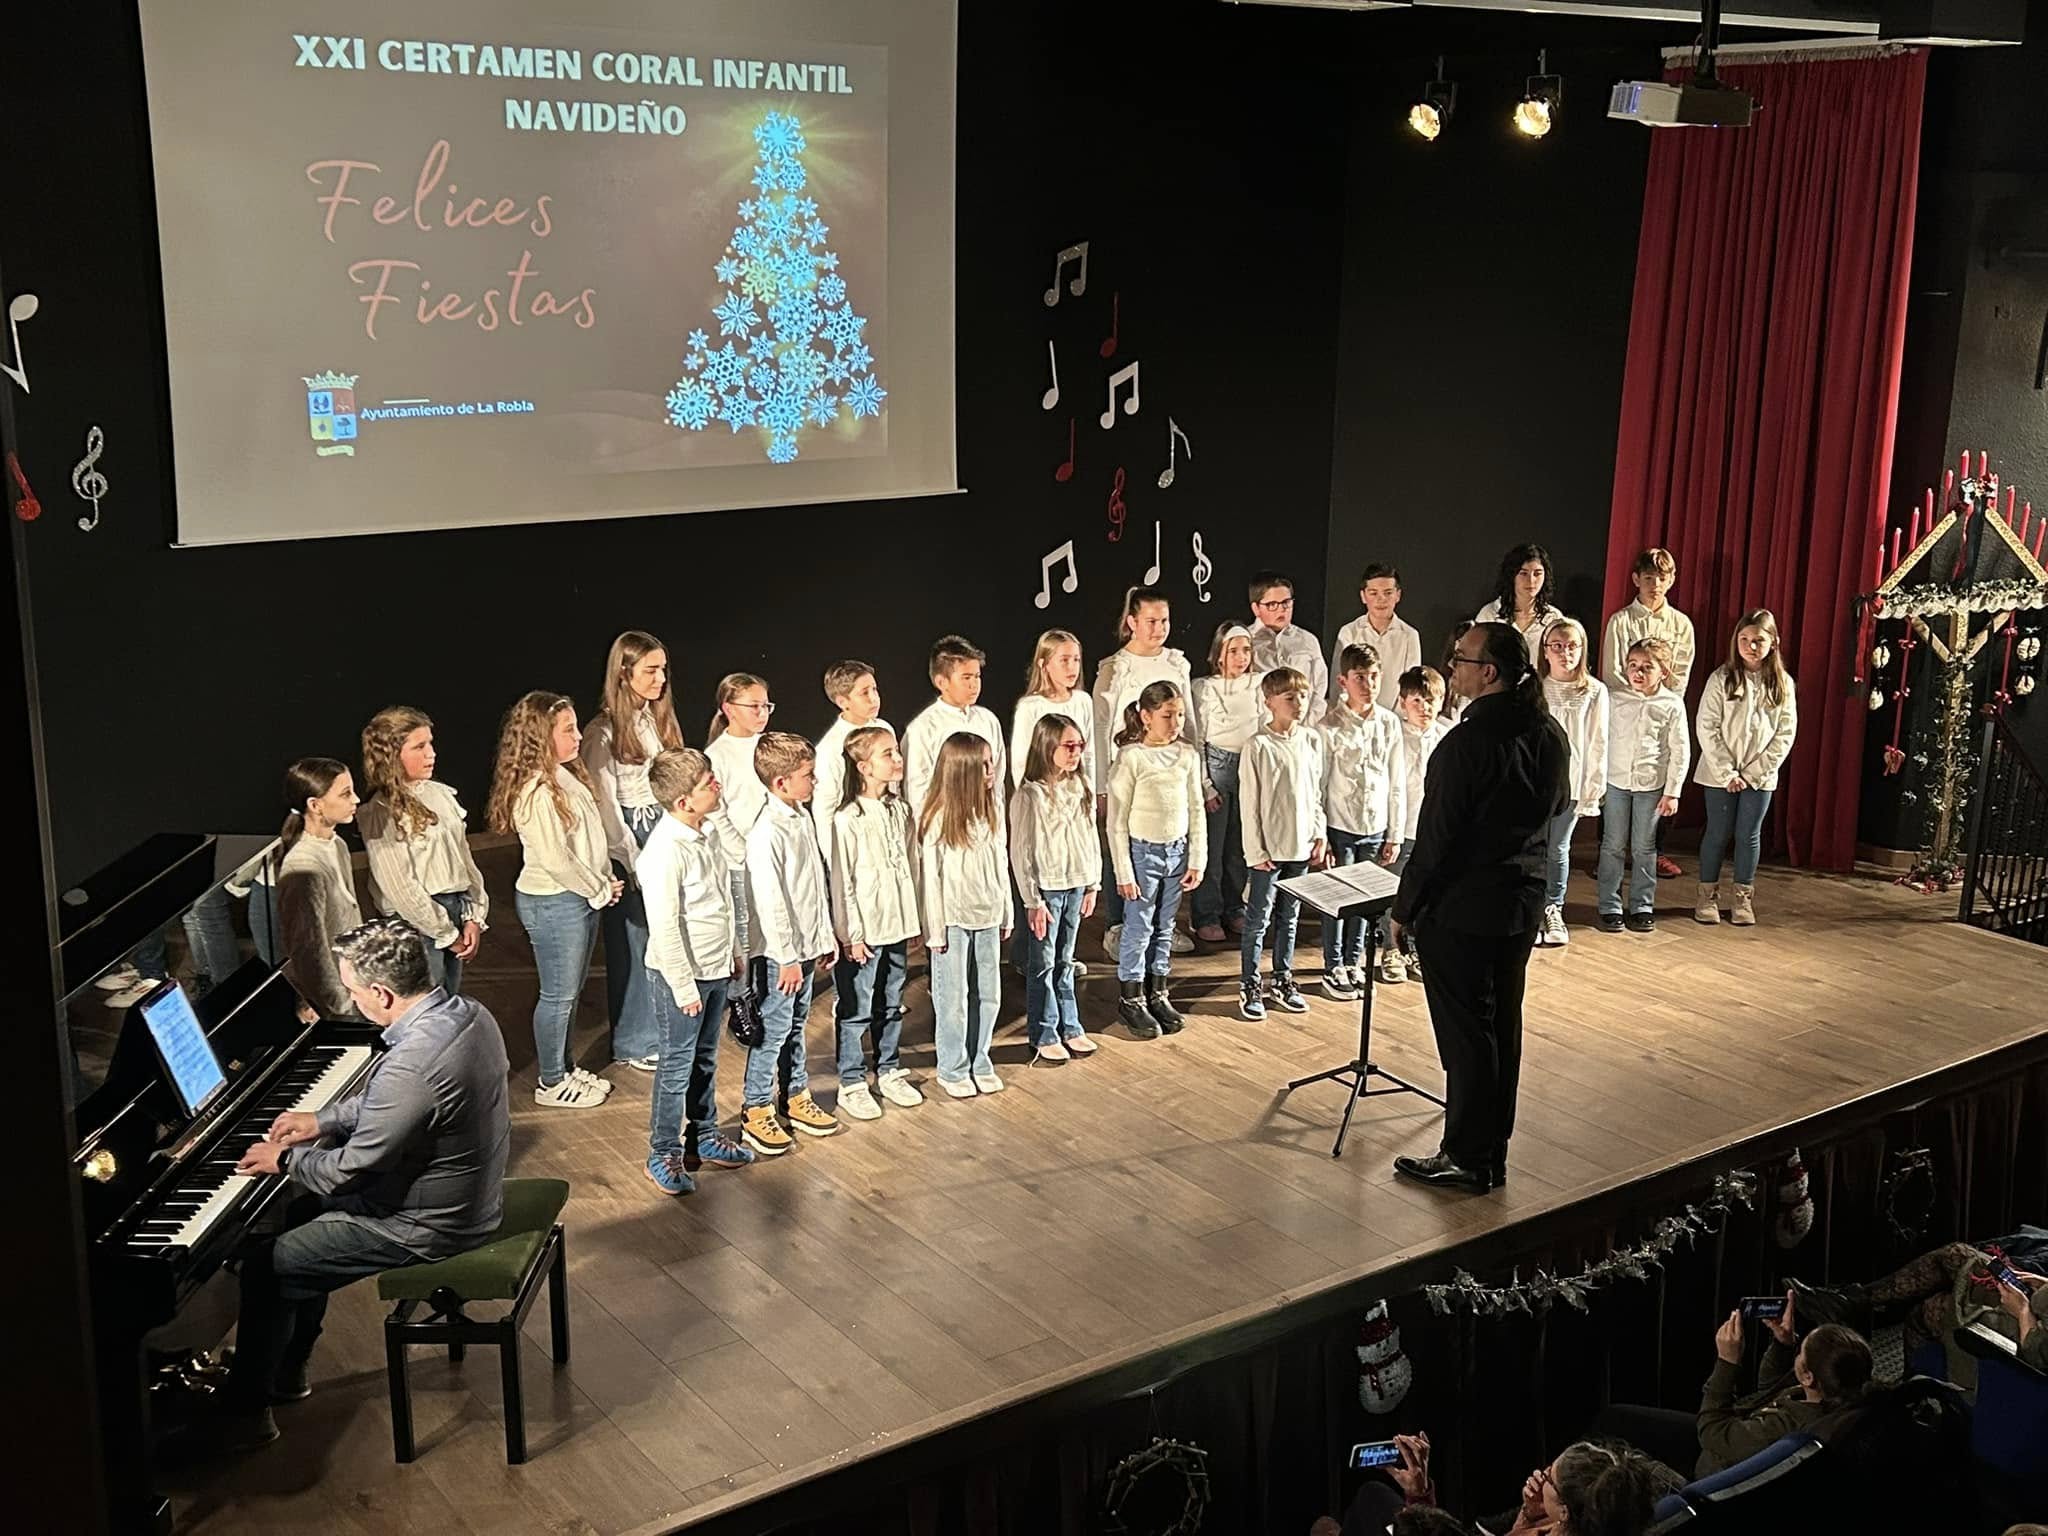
503	261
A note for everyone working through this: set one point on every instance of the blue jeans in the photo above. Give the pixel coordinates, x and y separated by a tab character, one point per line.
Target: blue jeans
779	1059
1558	866
1147	947
1221	893
1050	1010
446	967
210	932
870	999
1344	937
285	1284
629	999
1628	820
264	927
687	1079
1743	815
562	929
966	989
1266	904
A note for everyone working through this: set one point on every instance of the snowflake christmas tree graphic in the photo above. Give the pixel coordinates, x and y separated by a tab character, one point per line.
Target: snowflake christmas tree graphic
788	355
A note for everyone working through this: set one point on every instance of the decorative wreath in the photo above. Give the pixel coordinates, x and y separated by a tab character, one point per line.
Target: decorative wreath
1162	1490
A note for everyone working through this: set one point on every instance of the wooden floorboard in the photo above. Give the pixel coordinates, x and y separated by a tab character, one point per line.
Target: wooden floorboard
949	1259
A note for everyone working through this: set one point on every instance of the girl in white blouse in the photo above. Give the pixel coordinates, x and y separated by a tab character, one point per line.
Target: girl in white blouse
1158	841
966	898
1051	687
1053	856
874	917
316	884
1522	597
1748	718
415	834
1228	711
739	719
541	790
637	722
1578	703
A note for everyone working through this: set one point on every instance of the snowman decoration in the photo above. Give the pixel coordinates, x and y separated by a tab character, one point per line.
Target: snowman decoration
1384	1372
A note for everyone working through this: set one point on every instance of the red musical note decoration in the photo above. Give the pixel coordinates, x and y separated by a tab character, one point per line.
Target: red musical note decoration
1066	471
26	507
1109	341
1116	507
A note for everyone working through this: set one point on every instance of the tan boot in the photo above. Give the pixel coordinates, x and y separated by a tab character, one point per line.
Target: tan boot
1744	913
1706	907
764	1133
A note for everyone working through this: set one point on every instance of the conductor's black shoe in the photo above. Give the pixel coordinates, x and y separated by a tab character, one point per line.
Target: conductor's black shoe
1443	1173
294	1384
215	1431
1640	922
1609	922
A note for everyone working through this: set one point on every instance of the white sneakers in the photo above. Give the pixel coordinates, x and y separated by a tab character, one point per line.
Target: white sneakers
857	1101
576	1090
897	1088
1113	942
1113	938
1394	969
988	1082
1553	934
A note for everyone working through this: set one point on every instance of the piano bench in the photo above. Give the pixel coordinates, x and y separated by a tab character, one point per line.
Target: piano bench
510	1265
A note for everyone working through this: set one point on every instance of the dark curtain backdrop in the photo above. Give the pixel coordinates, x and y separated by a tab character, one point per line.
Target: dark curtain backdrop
1496	1396
1762	388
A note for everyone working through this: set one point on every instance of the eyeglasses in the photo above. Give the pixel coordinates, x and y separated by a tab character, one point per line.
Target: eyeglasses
1469	661
765	707
1072	746
1276	603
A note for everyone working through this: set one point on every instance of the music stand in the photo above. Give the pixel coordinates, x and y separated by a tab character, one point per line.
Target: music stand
1363	891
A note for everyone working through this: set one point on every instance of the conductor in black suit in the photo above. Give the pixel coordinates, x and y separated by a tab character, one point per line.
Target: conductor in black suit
1473	893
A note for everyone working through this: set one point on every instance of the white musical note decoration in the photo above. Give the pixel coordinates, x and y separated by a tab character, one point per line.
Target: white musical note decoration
1128	374
1051	397
1043	597
22	307
1079	283
87	482
1173	431
1203	568
1152	571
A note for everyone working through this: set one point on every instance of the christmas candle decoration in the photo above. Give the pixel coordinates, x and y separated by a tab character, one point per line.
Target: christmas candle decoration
2026	517
1897	534
1913	538
2038	531
2011	495
1983	463
1948	488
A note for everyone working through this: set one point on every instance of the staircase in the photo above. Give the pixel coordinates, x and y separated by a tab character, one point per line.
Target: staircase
2005	867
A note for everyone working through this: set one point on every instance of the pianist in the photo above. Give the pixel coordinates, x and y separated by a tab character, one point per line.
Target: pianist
409	1168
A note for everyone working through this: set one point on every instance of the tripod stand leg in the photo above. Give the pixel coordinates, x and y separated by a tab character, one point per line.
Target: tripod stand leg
1363	1068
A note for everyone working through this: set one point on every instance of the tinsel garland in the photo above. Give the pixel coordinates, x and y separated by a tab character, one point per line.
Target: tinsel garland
1543	1290
1984	597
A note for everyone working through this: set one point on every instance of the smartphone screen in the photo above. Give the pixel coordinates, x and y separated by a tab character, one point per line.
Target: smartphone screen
1375	1453
1762	1308
2009	1277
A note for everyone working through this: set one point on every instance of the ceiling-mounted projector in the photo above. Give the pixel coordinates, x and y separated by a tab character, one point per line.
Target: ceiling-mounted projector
1690	104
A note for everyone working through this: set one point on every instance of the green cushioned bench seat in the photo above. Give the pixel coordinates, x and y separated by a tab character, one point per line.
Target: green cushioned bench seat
495	1270
510	1265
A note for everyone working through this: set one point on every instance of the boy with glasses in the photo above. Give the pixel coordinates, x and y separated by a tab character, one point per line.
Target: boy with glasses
1277	641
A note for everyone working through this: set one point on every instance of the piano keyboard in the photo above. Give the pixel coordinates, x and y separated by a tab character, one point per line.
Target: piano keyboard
189	1211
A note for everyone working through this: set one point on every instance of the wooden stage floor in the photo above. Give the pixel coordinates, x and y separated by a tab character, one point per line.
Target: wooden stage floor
929	1267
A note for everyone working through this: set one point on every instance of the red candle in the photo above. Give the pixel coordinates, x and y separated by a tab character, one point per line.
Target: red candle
1880	554
2043	528
1983	463
1948	488
2026	517
1963	472
2011	495
1913	538
1897	533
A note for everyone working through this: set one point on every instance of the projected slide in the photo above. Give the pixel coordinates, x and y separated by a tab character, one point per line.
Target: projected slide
545	261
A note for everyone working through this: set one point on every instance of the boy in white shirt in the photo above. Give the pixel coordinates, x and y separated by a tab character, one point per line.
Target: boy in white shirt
955	672
1391	636
851	686
1423	725
693	949
1365	800
1649	747
1650	617
1280	800
1277	641
791	934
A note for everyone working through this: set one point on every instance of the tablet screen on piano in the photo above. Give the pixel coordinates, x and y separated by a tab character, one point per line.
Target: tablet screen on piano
182	1046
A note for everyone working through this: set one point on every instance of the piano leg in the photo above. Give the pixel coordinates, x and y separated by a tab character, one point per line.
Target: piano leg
133	1504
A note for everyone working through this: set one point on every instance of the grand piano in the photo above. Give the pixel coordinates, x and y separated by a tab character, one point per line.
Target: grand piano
163	1207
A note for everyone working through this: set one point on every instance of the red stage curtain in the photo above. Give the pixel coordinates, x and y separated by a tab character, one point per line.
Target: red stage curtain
1762	386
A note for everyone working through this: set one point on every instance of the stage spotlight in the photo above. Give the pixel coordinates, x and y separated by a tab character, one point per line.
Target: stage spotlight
1537	110
1428	116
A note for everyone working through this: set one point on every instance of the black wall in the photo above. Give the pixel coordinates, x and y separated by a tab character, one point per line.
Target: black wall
1485	325
177	683
1973	328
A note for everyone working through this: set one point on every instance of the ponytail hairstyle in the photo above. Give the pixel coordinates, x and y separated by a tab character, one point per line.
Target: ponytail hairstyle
1579	680
1041	757
1608	1489
960	793
1156	694
1508	654
862	744
1227	631
622	706
1134	599
1772	672
730	687
526	756
1048	644
307	779
1511	563
383	775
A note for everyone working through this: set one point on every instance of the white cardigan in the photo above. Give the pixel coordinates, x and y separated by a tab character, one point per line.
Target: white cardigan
1746	737
1052	839
1582	712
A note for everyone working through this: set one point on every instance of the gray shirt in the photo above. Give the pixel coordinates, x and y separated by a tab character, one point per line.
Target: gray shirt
419	1150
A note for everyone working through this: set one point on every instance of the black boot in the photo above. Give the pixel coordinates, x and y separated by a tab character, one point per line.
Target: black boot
1130	1007
1160	1006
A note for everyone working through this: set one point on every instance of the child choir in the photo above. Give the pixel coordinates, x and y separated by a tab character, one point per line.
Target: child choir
726	880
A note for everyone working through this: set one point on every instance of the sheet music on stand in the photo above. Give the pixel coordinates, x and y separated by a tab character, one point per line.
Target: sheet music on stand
1331	891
